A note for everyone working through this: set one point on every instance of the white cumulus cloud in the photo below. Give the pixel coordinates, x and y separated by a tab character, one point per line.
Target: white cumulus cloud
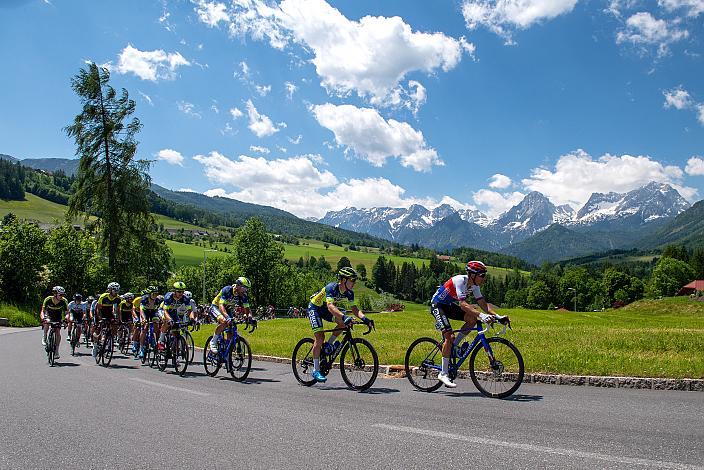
188	108
211	13
290	89
172	157
236	113
149	65
259	149
504	16
369	136
494	203
499	181
677	98
691	7
370	56
695	166
278	183
643	29
577	175
259	124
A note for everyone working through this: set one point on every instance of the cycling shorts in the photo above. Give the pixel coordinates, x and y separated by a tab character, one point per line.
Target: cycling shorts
54	315
216	313
149	315
76	316
443	313
126	317
107	316
317	315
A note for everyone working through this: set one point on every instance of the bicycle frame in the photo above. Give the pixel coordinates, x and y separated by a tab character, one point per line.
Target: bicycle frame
456	362
326	360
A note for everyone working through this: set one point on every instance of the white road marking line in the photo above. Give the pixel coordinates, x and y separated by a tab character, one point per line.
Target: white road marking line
547	450
171	387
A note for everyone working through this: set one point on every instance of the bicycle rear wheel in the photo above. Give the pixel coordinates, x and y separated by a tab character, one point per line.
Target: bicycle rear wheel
500	377
123	335
422	364
211	360
302	362
180	355
107	349
359	364
75	339
240	359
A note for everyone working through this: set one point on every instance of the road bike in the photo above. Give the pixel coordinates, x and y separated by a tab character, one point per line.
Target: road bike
51	345
86	330
495	364
75	338
150	348
123	337
359	362
105	343
234	352
175	350
186	329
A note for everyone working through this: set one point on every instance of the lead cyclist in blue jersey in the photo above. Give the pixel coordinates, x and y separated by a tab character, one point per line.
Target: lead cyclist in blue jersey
225	305
450	302
322	307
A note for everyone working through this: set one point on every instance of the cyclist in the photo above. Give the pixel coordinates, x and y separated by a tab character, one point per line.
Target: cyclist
125	310
105	309
322	307
450	302
136	329
225	304
148	308
54	308
193	312
170	310
76	311
91	313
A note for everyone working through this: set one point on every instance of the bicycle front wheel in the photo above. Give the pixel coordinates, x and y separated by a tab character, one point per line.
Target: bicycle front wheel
180	355
107	348
50	347
500	377
123	334
191	345
240	359
302	362
423	363
359	364
211	360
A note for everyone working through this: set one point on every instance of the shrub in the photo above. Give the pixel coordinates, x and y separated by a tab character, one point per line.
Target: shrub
23	320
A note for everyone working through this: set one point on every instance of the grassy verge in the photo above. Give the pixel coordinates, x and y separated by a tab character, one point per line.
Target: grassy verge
18	316
657	338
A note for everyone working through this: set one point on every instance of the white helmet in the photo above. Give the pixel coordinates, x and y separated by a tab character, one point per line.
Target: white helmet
114	286
188	295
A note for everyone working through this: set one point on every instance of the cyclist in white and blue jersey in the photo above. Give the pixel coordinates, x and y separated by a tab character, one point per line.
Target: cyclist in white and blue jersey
450	303
322	307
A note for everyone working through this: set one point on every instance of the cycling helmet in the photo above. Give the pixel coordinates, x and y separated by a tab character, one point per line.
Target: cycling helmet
476	267
151	290
244	282
58	290
178	285
128	296
347	272
78	297
114	286
90	298
188	295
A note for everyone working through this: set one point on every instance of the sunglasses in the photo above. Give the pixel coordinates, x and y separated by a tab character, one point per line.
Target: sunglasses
179	291
482	275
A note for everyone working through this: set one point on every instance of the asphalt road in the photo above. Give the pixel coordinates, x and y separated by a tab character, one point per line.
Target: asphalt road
79	415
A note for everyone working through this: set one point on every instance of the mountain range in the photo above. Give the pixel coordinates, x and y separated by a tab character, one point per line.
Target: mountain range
535	229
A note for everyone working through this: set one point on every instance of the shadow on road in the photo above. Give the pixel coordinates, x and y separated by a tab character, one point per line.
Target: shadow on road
65	364
380	391
118	366
520	397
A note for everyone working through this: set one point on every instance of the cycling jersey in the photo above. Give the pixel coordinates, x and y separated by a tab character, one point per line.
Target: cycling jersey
229	298
136	303
106	304
125	311
455	290
76	310
176	308
148	306
330	294
54	311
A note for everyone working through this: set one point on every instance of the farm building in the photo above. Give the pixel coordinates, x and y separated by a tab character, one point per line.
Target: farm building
693	287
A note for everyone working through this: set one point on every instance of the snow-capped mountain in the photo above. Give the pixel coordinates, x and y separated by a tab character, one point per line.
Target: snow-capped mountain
629	212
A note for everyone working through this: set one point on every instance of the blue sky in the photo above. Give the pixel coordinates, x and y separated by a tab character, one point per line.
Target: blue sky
312	106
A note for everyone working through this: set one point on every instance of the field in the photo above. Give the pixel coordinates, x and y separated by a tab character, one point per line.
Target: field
650	338
333	254
41	210
186	254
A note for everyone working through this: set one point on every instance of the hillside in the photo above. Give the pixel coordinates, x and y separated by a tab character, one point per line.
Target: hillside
686	229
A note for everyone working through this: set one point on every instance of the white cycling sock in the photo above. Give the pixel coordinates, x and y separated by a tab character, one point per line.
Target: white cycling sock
445	365
458	339
316	364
